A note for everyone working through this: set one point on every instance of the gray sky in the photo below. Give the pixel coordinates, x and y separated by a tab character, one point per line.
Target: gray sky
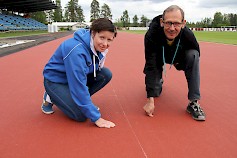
195	10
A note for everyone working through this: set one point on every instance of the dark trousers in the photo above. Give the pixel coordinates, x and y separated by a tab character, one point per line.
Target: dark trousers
192	74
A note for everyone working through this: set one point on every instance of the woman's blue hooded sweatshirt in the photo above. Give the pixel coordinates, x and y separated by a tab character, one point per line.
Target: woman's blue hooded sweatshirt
73	60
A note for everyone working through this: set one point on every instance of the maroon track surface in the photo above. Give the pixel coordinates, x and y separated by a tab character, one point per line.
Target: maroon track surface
26	132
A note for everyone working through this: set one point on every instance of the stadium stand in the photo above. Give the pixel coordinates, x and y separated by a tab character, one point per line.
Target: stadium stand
12	22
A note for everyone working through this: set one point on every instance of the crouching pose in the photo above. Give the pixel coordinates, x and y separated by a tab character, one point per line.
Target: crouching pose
169	41
76	71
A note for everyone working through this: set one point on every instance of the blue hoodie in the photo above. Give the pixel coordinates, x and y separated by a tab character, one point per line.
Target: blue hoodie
73	60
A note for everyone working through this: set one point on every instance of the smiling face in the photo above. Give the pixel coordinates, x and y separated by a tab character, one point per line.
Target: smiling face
173	23
102	40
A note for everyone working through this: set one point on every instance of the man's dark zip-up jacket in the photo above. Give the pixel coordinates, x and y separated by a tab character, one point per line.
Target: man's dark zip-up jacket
155	41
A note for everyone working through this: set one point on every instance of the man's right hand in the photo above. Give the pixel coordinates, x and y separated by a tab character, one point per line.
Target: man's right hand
102	123
149	107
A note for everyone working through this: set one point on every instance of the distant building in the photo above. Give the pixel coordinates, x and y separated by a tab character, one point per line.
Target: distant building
68	25
80	25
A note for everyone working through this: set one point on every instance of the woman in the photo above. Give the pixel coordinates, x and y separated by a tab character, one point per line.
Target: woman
75	72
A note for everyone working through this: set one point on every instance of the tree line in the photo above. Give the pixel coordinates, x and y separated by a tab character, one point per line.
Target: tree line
73	12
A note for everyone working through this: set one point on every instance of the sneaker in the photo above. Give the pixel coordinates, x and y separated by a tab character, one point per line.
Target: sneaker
46	107
196	111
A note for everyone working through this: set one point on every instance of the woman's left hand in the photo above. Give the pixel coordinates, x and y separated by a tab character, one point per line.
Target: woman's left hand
102	123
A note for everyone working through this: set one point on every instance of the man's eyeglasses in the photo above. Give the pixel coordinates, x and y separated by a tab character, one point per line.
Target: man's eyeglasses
169	24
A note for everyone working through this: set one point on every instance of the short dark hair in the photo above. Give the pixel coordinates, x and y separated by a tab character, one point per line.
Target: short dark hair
171	8
103	24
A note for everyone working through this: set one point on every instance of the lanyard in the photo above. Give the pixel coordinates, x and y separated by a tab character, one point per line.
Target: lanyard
176	50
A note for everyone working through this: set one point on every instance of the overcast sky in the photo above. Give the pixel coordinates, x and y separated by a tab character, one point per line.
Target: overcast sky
195	10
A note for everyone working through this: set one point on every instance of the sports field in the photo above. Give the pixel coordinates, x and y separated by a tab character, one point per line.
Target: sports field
172	133
210	36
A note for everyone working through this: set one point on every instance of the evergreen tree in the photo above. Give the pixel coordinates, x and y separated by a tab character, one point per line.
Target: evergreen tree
135	21
206	22
39	16
218	20
57	15
80	15
190	24
95	10
74	12
125	19
105	12
144	21
232	19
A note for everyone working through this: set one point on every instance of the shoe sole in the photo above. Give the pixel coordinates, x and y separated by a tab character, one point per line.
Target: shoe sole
48	113
200	118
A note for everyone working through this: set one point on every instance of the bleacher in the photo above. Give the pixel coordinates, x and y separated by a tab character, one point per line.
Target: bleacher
14	23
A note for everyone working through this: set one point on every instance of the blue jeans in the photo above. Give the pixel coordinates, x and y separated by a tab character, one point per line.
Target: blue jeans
61	97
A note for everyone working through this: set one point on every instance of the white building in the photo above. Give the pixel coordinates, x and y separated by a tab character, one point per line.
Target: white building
55	26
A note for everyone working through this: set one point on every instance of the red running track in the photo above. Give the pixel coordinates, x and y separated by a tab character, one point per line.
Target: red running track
172	133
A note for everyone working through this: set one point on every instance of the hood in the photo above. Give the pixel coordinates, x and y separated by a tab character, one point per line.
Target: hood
84	36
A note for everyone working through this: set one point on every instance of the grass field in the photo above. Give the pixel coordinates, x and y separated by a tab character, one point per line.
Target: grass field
217	37
21	33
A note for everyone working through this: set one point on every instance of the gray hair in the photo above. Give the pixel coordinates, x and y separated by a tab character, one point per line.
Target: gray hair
172	8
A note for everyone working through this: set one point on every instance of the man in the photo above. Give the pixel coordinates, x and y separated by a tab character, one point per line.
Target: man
169	41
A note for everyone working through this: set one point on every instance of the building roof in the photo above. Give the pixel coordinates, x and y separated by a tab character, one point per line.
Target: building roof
70	23
27	6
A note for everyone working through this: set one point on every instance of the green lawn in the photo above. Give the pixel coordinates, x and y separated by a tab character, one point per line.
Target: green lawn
211	36
218	37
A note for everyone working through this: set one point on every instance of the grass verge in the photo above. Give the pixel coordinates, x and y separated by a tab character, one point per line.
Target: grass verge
209	36
21	33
